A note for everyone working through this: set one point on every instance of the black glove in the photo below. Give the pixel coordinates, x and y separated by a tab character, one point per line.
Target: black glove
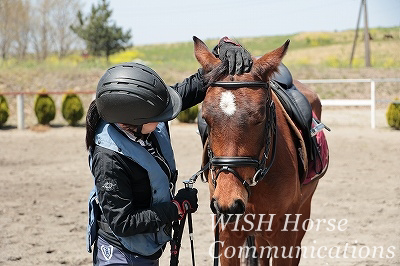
186	201
239	59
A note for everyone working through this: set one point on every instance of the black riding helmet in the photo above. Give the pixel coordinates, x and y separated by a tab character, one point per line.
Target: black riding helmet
131	93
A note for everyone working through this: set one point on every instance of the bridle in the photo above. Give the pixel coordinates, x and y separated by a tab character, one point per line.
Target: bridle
228	163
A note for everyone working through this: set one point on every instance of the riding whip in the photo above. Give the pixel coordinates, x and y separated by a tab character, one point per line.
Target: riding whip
189	184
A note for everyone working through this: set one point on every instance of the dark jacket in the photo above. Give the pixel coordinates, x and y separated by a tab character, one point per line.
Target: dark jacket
127	207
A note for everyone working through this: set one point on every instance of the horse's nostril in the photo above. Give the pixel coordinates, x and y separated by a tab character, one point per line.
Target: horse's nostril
214	206
238	207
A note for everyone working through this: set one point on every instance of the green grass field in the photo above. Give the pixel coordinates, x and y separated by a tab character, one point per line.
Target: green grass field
313	55
318	49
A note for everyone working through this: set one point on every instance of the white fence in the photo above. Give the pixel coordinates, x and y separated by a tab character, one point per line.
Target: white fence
325	102
20	102
347	102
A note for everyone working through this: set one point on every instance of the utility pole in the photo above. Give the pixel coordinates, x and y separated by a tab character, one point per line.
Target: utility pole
366	37
356	34
363	5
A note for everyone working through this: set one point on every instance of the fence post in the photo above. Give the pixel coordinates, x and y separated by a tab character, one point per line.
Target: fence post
20	111
372	104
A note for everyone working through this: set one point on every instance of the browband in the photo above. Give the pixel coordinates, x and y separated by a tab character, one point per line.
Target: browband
234	161
239	84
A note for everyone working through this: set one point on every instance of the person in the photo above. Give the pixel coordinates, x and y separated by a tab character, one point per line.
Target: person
132	206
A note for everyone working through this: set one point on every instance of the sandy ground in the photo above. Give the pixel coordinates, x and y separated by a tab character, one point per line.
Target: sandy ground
45	182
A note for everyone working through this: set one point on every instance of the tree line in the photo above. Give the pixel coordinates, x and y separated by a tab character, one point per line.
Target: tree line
44	27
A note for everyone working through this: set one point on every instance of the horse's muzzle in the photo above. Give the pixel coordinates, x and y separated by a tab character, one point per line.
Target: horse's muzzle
237	207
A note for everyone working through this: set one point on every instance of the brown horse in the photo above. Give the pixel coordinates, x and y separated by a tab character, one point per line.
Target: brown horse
237	111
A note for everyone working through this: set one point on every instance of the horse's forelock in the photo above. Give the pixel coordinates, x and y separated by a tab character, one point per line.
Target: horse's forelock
216	74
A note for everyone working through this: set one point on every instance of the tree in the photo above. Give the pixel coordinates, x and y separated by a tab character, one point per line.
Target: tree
50	27
63	13
101	35
23	27
6	27
41	31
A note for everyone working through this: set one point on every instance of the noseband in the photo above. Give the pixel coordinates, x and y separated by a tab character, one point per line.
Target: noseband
227	163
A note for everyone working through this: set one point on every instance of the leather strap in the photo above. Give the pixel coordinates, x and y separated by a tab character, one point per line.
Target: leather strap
234	161
239	84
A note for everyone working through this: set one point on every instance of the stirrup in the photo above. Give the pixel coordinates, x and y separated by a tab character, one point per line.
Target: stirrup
318	127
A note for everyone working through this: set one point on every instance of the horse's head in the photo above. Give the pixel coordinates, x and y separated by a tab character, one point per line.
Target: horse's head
237	111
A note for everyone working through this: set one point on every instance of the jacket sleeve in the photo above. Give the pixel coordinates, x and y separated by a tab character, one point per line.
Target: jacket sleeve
192	90
115	198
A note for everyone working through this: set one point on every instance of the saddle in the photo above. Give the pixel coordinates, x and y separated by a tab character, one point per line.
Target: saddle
298	108
295	103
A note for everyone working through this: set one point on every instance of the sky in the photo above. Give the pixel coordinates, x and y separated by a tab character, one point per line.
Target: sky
167	21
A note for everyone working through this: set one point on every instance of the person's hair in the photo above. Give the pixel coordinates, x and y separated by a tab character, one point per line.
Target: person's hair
134	129
92	119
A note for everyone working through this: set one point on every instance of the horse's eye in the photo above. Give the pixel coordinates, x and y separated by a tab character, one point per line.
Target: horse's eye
259	119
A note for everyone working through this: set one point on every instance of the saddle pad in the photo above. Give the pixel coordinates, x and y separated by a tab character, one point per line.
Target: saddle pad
302	152
311	169
318	167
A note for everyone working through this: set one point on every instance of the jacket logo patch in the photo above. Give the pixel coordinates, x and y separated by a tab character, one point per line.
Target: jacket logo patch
109	186
107	251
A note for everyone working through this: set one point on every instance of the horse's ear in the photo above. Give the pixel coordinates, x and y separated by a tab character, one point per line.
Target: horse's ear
206	59
265	66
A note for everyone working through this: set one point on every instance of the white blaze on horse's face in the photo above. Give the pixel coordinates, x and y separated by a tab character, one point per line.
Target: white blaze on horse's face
227	103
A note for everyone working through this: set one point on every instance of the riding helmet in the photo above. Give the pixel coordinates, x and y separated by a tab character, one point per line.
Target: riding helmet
132	93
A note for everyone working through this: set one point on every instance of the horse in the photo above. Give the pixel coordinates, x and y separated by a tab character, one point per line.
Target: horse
252	157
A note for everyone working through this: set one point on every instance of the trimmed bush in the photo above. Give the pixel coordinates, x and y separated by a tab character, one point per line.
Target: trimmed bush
393	114
72	108
188	115
4	111
45	109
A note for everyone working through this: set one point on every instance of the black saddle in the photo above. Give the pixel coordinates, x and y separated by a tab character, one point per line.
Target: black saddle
283	77
295	104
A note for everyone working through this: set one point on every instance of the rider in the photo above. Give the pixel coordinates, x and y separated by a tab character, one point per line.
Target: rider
132	206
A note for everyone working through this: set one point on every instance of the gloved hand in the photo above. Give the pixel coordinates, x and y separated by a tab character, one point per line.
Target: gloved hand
239	59
186	201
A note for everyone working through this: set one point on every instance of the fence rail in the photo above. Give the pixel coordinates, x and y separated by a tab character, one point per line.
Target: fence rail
325	102
46	92
20	101
356	102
